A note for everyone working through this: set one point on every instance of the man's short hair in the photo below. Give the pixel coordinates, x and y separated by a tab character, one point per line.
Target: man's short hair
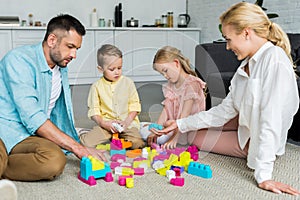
64	22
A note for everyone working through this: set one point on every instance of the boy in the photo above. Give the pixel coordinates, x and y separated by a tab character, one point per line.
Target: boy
113	102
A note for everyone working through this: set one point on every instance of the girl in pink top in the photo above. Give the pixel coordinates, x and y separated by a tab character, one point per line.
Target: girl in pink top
184	95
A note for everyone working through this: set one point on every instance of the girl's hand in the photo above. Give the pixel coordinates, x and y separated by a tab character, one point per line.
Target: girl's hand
172	142
152	138
278	187
169	126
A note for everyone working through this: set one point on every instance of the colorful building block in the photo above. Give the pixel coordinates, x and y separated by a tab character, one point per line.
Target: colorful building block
129	182
155	126
177	181
113	152
194	152
199	169
91	169
134	153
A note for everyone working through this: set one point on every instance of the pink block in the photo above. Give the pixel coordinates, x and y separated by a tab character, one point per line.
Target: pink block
91	181
177	171
117	157
116	144
177	181
113	165
139	171
108	177
161	157
122	180
139	159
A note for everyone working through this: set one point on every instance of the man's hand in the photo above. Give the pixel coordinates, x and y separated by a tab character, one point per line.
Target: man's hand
83	151
278	187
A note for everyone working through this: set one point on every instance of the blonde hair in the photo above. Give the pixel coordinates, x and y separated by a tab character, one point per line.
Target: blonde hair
107	50
168	54
243	15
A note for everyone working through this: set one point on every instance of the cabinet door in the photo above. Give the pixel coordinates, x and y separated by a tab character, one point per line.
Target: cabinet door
185	41
5	41
82	70
145	45
124	41
102	37
26	37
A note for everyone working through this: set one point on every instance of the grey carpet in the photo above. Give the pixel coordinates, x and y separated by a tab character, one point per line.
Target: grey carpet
231	180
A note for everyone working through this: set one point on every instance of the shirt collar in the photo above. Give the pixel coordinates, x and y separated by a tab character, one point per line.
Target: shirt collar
254	58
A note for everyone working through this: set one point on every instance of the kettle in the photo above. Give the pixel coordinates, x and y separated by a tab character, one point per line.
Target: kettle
183	20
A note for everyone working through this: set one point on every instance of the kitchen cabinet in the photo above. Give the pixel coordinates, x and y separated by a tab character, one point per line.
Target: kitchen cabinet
138	45
186	41
5	41
25	37
82	69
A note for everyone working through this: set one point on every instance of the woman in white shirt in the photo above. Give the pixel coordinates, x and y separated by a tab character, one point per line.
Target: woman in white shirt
263	97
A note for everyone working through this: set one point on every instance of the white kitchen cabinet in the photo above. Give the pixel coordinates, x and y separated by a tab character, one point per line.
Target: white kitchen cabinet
124	41
185	41
83	68
138	45
139	48
5	41
29	36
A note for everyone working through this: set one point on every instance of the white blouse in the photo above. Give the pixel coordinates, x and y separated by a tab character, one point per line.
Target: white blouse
266	102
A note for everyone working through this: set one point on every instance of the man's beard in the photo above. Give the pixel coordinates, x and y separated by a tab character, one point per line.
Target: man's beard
57	59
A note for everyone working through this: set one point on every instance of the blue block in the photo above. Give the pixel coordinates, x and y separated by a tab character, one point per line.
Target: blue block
199	169
155	126
86	170
113	152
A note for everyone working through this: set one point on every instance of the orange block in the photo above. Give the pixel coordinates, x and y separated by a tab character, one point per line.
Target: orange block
134	153
126	144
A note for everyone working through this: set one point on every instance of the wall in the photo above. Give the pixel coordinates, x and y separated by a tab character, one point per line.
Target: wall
205	14
150	95
43	10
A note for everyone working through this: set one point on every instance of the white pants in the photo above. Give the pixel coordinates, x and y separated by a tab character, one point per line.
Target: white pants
144	131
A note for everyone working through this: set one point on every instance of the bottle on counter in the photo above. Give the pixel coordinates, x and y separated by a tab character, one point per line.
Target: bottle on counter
94	18
118	15
30	19
170	19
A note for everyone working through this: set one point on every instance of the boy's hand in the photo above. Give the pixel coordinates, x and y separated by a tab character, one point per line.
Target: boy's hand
109	126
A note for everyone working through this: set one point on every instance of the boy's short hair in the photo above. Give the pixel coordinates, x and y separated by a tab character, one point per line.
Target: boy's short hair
107	50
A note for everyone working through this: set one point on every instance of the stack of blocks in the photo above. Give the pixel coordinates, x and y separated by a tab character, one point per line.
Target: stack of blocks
169	163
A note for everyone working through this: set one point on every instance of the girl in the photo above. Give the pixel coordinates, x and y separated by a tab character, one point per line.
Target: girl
184	95
263	95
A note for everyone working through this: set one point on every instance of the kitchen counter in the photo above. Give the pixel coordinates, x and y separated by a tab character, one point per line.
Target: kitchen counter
104	28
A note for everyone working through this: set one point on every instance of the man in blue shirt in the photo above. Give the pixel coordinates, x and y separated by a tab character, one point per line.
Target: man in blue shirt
36	116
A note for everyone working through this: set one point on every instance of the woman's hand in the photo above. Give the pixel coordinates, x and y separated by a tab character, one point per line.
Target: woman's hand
169	126
278	187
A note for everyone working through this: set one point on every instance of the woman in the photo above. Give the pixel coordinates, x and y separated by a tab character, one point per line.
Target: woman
263	97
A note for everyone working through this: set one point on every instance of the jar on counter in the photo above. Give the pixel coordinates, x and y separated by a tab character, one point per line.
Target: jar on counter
170	19
164	21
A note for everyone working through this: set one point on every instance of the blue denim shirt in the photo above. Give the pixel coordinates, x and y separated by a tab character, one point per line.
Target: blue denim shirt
25	88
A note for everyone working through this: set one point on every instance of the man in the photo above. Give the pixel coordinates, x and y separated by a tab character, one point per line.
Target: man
36	118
